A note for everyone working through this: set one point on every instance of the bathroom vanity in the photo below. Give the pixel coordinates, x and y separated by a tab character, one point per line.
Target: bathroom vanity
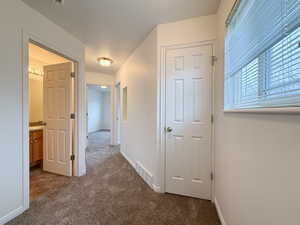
36	146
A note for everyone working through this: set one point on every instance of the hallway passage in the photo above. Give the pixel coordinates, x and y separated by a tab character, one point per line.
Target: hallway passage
42	182
113	194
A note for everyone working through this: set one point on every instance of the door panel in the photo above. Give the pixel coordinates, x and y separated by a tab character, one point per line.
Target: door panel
188	113
179	100
57	111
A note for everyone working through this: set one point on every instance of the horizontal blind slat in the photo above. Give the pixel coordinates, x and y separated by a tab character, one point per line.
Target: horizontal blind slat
262	54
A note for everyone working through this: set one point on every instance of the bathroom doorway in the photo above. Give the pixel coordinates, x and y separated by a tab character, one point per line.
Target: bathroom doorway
51	119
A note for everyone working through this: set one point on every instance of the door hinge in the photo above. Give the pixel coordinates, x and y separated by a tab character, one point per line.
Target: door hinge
213	60
73	74
72	116
72	157
212	176
212	118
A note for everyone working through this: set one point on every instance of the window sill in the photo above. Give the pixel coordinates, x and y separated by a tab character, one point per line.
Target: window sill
283	110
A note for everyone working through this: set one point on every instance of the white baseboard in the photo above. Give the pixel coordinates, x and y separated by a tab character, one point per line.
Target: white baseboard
219	211
12	215
142	172
156	188
128	159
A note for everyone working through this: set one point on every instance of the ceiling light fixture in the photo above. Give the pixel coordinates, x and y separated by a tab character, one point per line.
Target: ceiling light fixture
103	87
105	61
59	2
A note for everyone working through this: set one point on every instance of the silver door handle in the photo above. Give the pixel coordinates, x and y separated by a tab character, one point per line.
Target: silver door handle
169	129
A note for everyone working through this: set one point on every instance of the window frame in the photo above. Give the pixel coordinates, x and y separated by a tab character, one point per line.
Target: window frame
263	103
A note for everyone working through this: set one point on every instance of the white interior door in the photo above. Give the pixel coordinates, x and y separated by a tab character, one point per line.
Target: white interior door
57	111
188	121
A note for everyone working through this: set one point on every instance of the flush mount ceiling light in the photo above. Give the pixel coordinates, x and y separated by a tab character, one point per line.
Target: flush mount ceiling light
105	61
59	2
103	87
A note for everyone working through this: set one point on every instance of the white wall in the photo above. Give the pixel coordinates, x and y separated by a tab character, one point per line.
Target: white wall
16	17
95	103
35	92
138	74
257	158
99	78
35	99
187	31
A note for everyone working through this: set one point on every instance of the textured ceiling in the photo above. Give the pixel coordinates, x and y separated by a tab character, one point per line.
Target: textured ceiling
114	28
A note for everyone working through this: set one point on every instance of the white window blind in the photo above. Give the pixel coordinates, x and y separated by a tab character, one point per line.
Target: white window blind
262	55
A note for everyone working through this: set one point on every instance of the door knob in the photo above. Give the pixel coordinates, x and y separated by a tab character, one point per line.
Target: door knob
169	129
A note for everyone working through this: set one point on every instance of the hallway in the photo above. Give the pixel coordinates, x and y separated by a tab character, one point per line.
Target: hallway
112	193
42	182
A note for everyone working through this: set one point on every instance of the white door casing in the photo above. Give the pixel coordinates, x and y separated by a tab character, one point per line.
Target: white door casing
118	113
57	110
188	115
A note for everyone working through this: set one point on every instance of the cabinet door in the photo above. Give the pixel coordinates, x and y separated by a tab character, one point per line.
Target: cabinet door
37	146
40	150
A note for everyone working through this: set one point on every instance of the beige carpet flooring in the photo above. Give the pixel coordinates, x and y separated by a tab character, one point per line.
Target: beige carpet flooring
111	194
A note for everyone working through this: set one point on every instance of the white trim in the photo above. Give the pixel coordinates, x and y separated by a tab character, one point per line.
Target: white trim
13	214
25	119
79	132
162	110
143	173
219	211
156	188
117	139
214	113
282	110
129	160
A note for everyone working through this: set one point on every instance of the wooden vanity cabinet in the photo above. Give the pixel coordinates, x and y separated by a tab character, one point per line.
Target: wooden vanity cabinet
36	147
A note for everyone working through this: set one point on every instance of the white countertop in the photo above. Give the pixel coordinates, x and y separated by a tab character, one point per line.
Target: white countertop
34	128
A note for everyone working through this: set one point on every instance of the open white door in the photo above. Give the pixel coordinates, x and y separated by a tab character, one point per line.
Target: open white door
188	120
57	111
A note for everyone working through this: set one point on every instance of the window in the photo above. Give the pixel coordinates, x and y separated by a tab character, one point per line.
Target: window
262	59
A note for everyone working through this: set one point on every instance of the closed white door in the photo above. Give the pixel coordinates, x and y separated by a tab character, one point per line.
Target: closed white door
57	111
188	121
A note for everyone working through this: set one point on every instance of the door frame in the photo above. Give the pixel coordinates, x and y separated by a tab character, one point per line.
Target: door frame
160	183
79	162
118	111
